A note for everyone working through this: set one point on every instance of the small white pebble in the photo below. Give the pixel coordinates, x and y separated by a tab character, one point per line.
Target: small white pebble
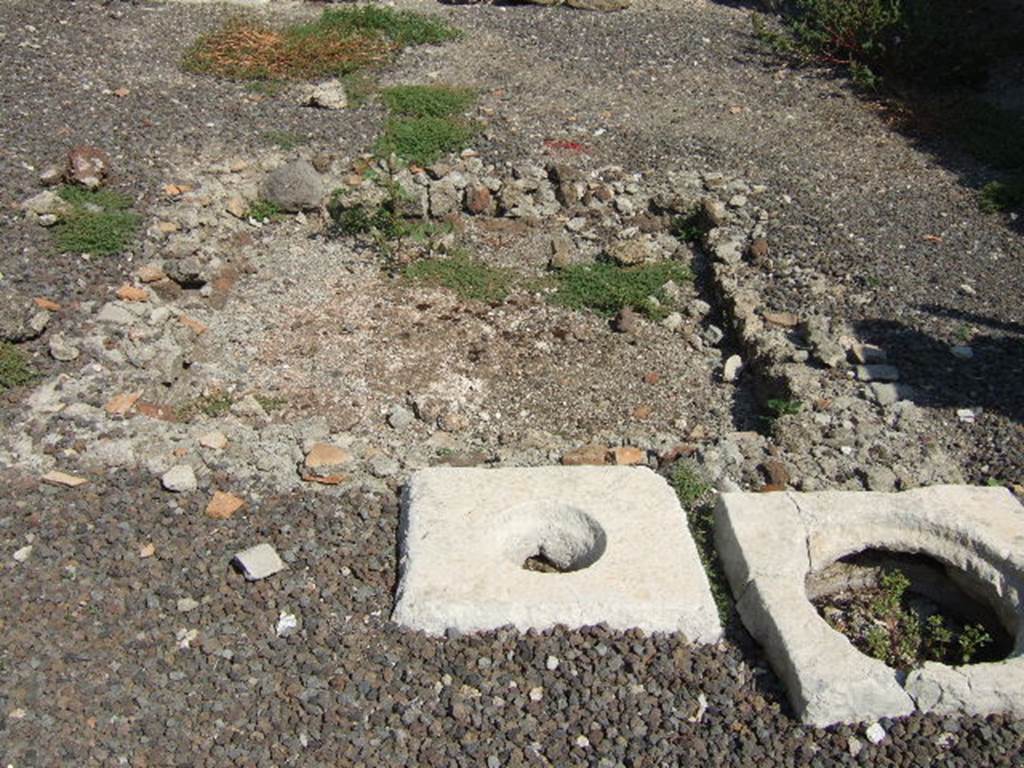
551	663
875	733
582	741
536	694
23	554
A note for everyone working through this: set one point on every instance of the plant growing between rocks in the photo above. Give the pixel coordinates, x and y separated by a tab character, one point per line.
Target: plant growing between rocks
470	279
607	288
100	222
15	370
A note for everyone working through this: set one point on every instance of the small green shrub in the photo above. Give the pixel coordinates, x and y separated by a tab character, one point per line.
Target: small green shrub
422	140
689	485
781	407
972	640
264	210
691	227
1000	197
470	279
402	27
15	370
606	288
100	222
427	100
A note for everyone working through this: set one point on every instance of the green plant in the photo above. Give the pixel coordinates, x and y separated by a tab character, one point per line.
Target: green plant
427	100
972	640
14	367
264	210
286	140
213	404
778	407
271	403
693	492
469	278
691	227
938	637
339	42
999	196
606	288
422	140
100	222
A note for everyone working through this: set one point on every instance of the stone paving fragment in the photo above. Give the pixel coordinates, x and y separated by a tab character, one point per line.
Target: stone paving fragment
258	562
770	543
62	478
614	539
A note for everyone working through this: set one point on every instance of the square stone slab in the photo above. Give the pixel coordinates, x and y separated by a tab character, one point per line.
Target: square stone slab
770	542
616	535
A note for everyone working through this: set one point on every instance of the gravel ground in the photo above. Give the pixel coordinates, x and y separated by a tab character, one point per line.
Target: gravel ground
665	86
112	684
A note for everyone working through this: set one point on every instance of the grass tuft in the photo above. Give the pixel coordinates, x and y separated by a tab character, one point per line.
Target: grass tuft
427	100
422	140
101	221
606	288
470	279
341	41
15	370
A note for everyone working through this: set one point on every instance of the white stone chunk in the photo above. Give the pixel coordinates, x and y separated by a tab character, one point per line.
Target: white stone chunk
616	535
258	562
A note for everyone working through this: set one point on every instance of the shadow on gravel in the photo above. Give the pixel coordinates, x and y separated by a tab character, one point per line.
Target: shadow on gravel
990	380
953	84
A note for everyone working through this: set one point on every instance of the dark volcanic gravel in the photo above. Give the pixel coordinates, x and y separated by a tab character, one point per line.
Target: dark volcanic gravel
93	672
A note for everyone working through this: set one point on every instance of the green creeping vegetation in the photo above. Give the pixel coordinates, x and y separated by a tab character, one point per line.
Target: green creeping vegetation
101	221
14	367
780	407
427	100
695	497
898	636
606	288
999	196
264	210
691	227
426	122
422	140
470	279
214	405
286	140
339	42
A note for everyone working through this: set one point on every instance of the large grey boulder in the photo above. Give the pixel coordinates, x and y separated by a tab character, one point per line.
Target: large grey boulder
293	187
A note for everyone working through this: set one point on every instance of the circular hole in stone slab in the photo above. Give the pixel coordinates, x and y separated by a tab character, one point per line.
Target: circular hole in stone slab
553	538
906	609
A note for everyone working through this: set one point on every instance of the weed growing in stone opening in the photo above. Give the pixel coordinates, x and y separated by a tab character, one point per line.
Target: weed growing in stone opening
15	370
695	497
607	288
778	407
339	42
470	279
286	140
213	405
100	221
893	628
999	196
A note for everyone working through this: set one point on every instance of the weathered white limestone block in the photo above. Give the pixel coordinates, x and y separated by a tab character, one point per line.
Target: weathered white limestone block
617	533
769	543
